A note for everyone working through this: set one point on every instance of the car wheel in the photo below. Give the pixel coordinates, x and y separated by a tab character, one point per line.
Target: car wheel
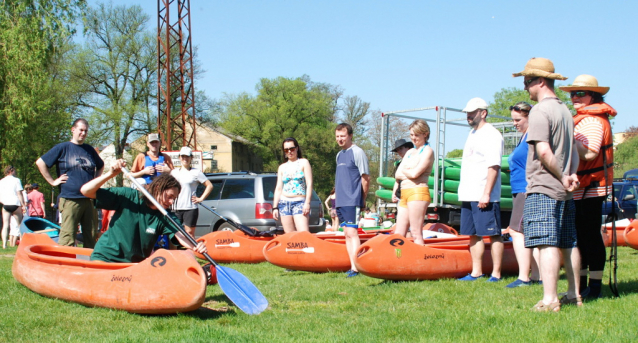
226	227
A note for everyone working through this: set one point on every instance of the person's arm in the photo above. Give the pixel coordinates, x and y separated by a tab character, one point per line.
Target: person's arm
138	169
584	153
168	164
549	162
44	170
425	164
90	188
365	185
394	192
326	203
492	175
275	199
308	175
209	188
44	212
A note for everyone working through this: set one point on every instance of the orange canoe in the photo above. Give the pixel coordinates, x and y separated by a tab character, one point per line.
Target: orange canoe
234	247
620	229
167	282
395	258
307	252
630	235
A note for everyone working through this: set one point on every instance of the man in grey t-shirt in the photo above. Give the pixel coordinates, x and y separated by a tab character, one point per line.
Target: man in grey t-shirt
549	214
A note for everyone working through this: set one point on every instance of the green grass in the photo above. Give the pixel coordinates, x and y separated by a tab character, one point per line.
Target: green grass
307	307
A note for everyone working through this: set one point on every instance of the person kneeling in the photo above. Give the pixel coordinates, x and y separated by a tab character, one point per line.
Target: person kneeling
137	223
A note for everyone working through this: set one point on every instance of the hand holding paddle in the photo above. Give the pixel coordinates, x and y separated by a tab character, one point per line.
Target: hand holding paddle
235	285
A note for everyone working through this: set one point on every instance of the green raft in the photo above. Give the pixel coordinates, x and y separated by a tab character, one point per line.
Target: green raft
448	198
448	185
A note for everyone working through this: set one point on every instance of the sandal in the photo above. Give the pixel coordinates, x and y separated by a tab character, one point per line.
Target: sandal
578	301
541	307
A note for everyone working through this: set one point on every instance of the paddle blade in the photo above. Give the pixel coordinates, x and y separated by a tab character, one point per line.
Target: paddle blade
241	291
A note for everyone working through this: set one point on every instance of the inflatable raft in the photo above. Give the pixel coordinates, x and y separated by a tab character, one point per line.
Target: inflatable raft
394	257
167	282
630	235
41	226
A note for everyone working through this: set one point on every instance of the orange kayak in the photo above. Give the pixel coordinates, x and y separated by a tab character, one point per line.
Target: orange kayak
167	282
395	258
234	247
308	252
620	229
630	235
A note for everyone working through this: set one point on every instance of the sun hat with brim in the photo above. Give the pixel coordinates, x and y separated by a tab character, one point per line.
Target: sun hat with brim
585	83
402	142
540	67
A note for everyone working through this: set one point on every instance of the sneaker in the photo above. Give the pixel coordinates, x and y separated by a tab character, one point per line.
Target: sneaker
349	272
352	274
519	283
536	282
494	279
469	277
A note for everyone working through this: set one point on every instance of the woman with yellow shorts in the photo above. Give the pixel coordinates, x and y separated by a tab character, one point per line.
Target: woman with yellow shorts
413	173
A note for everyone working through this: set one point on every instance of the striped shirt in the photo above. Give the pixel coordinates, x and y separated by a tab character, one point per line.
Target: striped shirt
589	131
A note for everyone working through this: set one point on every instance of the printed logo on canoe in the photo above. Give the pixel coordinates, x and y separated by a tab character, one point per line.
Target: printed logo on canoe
299	248
225	241
397	242
398	253
436	257
117	278
158	261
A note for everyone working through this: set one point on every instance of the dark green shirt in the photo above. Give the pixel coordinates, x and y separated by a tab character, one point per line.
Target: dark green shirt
133	229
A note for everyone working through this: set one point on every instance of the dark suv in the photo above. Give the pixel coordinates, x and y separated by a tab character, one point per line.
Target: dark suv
246	198
626	192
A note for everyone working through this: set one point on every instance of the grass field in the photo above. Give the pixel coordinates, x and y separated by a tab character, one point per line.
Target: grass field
307	307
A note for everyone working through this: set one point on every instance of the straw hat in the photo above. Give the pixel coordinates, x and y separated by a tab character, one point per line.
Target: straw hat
585	83
540	67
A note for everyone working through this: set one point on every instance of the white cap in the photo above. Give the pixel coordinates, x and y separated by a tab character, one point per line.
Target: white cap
185	151
152	137
475	104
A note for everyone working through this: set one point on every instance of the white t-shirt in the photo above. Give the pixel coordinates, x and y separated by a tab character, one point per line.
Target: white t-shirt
189	179
9	188
483	149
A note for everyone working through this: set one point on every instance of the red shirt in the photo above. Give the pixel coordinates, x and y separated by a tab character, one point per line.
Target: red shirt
35	208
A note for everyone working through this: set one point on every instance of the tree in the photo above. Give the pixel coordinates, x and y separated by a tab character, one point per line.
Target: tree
455	153
507	97
35	111
285	107
355	112
117	67
626	156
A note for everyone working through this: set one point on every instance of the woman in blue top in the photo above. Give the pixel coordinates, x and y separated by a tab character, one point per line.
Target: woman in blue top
294	189
518	162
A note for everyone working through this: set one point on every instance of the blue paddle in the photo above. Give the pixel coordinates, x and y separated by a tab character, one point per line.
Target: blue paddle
235	285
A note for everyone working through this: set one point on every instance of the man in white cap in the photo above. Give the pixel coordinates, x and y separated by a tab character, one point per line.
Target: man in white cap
480	190
549	214
150	164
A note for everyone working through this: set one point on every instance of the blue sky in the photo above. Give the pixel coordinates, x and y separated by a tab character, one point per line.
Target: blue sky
410	54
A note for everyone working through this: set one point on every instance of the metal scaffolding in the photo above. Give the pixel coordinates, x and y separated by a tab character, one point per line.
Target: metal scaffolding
175	83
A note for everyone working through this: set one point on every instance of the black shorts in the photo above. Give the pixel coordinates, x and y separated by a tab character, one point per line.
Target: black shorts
188	217
10	208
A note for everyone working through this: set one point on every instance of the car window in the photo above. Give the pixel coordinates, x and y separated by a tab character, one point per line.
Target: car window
631	174
238	189
214	194
268	185
629	190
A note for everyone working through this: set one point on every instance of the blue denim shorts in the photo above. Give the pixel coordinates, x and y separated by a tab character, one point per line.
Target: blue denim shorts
290	208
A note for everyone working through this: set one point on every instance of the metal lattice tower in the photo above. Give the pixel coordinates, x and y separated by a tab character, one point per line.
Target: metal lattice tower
175	83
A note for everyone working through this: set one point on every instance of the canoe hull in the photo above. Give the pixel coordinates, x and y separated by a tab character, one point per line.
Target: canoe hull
630	235
234	247
395	258
304	251
168	282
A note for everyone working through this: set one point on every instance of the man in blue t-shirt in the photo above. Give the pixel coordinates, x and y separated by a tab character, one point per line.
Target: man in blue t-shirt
76	163
351	188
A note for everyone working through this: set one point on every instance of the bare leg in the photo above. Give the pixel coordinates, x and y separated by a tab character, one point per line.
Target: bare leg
536	266
416	216
301	222
352	244
335	223
497	255
550	260
288	223
6	221
523	255
403	221
190	230
477	248
571	260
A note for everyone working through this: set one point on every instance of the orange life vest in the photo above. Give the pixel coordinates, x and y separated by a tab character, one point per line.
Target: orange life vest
592	173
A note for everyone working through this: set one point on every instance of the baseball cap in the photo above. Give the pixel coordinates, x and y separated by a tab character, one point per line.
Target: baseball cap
152	137
475	104
185	151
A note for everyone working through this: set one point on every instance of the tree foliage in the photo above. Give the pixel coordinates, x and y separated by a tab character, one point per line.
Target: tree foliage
509	96
455	153
35	106
285	107
116	66
626	156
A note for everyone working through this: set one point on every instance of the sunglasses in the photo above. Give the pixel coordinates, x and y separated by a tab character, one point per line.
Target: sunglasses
517	109
578	94
290	149
529	82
